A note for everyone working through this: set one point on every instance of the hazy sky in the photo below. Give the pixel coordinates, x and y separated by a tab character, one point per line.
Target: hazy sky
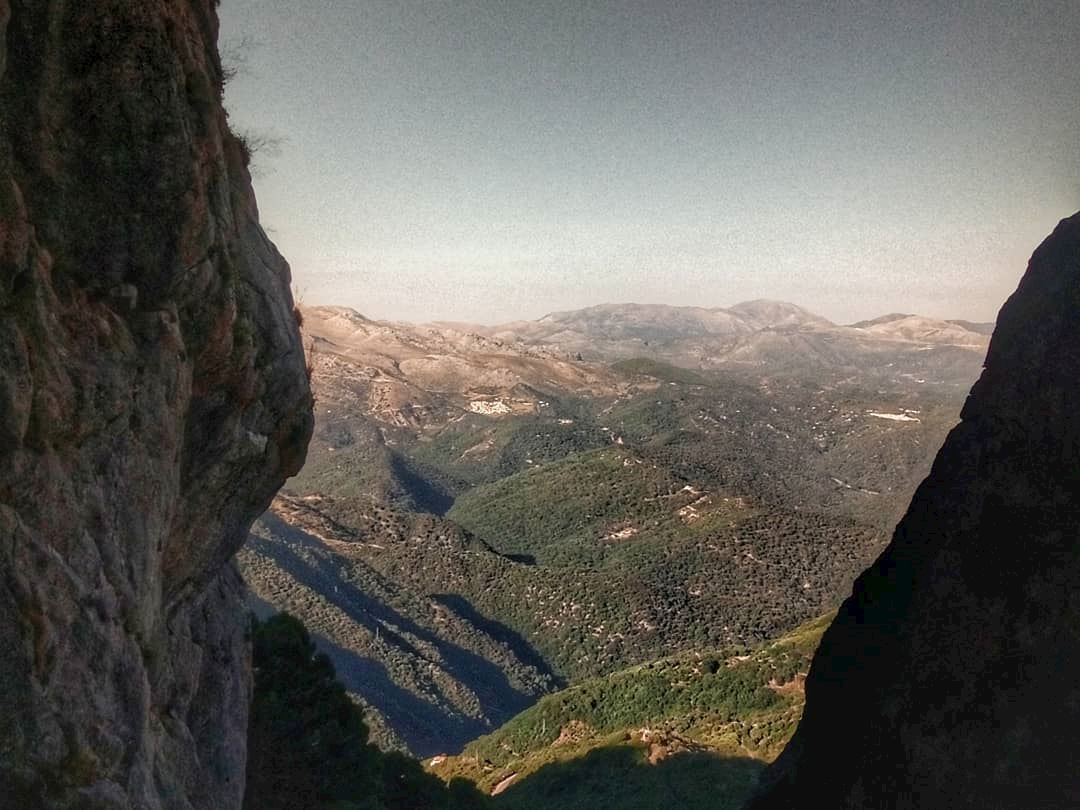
487	161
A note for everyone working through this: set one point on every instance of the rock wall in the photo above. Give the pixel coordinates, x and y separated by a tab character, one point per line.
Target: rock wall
951	676
153	397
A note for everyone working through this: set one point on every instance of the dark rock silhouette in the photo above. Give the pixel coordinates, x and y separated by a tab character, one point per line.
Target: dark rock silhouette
951	676
628	776
152	399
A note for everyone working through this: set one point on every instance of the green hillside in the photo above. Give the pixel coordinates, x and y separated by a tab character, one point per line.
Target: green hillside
457	562
591	508
480	449
713	718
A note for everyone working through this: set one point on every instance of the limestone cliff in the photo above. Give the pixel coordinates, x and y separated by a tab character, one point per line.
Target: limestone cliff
152	399
951	676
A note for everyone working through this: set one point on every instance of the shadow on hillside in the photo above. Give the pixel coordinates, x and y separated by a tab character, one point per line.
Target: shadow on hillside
620	776
523	559
501	633
499	699
423	726
426	495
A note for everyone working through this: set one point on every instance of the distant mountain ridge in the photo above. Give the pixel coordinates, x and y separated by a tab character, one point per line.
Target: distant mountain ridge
768	314
656	322
919	329
755	332
982	328
415	373
978	328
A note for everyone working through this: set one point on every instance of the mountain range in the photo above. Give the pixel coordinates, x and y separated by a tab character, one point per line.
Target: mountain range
753	331
486	515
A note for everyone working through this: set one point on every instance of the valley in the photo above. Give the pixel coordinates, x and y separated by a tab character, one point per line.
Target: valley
265	556
491	514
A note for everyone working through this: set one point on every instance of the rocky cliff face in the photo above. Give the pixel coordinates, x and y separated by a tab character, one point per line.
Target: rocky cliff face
950	676
152	399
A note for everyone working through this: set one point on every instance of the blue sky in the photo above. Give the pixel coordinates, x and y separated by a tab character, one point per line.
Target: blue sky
486	161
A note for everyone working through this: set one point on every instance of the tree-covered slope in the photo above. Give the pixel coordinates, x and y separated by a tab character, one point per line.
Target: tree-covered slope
588	508
445	639
694	728
481	521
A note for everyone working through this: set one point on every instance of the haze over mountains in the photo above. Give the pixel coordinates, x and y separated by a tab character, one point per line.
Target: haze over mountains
752	331
491	512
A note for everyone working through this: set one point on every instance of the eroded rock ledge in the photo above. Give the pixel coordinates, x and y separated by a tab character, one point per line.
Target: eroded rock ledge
153	397
950	676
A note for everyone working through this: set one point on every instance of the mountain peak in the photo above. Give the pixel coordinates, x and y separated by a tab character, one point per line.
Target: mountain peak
764	313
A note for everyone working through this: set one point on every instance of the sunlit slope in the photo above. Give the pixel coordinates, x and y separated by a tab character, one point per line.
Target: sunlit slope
710	718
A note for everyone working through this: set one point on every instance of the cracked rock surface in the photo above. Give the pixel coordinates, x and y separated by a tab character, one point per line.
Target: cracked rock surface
153	398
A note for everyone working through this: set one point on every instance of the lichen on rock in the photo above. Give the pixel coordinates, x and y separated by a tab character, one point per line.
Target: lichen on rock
146	335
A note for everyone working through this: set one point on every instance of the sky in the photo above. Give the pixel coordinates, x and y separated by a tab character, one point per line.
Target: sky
492	161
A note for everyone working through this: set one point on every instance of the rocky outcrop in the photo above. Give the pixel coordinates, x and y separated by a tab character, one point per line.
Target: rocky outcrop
951	676
152	399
